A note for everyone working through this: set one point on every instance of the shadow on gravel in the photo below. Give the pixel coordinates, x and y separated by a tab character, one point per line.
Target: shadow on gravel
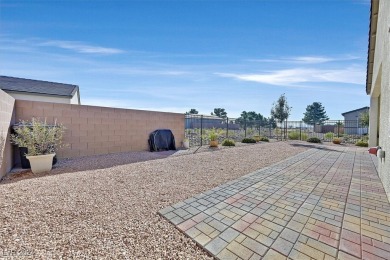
89	163
325	147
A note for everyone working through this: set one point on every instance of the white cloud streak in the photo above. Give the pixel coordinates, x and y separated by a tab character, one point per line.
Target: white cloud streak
307	59
81	47
289	77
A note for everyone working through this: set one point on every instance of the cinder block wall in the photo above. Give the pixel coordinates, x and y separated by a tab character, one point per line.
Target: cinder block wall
6	119
92	130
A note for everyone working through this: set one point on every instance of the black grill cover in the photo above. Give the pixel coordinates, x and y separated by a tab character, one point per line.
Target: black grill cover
161	140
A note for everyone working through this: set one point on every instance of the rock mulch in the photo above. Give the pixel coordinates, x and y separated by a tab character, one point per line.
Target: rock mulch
106	206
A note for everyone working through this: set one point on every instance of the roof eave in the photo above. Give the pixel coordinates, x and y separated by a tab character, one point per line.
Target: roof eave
371	43
37	93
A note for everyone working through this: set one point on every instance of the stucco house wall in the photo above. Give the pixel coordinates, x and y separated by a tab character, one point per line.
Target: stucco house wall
6	119
352	124
379	132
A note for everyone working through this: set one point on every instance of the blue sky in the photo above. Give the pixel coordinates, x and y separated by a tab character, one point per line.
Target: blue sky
176	55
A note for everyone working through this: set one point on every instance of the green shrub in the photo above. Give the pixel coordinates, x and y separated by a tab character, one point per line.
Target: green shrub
362	143
264	139
257	138
228	142
304	136
314	140
294	135
248	140
329	135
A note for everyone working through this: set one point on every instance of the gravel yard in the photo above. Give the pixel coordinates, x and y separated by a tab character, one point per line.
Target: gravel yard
106	206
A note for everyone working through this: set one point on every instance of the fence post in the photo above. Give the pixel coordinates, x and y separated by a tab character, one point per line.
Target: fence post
227	127
259	129
300	130
338	129
270	131
245	127
201	130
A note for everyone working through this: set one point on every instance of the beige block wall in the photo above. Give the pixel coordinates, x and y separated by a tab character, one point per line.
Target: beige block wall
6	119
92	130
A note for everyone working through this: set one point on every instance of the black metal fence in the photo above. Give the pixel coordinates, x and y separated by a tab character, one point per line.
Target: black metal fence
199	127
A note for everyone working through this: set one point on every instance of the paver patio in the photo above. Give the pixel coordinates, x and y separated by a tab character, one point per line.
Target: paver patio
323	204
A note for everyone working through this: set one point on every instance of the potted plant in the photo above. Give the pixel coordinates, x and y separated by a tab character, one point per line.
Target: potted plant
213	136
186	143
41	140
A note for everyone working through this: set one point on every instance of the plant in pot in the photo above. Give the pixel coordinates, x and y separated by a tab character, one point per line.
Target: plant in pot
41	140
186	143
213	136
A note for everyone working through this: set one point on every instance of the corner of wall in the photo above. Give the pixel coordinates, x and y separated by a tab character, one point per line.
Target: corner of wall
7	118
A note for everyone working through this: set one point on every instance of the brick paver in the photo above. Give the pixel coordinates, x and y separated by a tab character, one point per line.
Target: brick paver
320	204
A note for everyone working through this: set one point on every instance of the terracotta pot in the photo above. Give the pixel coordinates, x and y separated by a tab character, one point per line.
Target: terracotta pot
41	163
214	143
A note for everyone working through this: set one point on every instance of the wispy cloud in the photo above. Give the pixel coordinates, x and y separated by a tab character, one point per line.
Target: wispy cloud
290	77
81	47
119	103
307	59
141	71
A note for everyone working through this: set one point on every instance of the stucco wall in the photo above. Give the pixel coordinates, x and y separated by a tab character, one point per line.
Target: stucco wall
380	90
75	99
6	119
352	123
99	130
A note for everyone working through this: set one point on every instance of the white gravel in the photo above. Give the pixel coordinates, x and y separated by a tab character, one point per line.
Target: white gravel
105	207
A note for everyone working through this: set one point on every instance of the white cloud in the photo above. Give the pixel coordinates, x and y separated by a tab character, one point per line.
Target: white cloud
118	103
289	77
81	47
307	59
140	71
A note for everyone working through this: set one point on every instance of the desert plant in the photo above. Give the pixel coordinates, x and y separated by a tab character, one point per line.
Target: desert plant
257	138
304	136
336	140
248	140
329	135
361	143
38	137
264	139
314	140
213	136
295	135
228	142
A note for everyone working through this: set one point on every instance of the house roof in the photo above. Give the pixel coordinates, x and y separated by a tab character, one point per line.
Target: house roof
371	43
359	109
31	86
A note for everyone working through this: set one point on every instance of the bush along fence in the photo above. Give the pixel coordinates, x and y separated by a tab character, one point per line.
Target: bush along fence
199	127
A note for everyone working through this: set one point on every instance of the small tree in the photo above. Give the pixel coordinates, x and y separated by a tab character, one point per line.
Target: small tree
364	119
219	112
315	114
281	110
192	111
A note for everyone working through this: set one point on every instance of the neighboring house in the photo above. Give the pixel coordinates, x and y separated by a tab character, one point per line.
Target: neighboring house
352	125
378	84
38	90
208	122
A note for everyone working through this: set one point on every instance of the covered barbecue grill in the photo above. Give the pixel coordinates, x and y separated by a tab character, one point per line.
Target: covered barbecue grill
161	140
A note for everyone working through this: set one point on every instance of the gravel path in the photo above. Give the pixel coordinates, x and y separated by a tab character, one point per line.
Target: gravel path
111	212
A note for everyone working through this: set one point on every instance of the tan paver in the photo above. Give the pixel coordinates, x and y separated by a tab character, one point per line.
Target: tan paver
319	204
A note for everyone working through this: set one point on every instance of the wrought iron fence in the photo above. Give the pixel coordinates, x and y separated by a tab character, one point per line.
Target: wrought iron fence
198	128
